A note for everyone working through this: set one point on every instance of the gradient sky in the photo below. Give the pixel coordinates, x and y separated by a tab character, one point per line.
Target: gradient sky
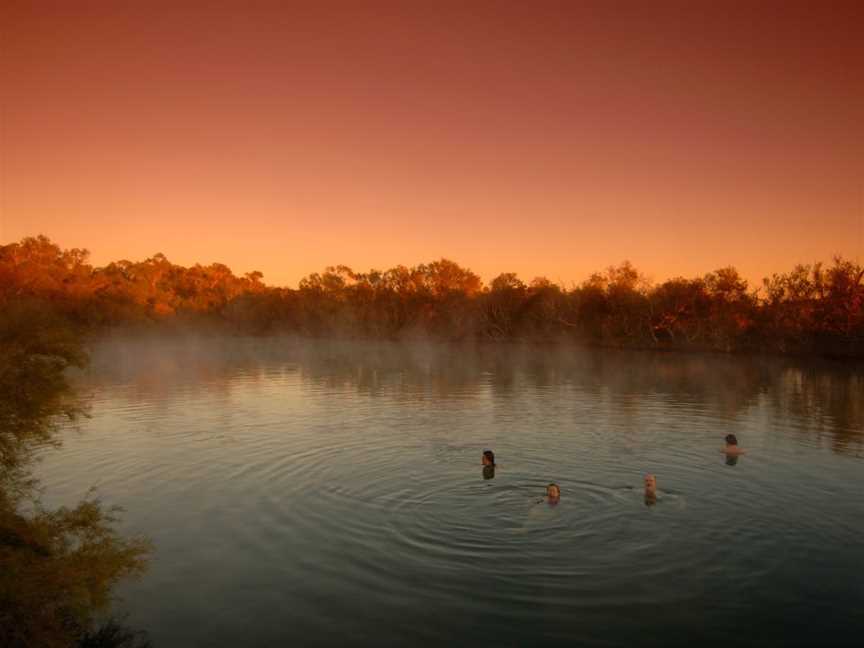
542	138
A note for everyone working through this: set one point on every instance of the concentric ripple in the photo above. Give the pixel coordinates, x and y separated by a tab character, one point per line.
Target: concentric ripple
336	497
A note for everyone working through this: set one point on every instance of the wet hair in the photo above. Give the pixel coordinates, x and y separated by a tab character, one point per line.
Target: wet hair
490	456
731	439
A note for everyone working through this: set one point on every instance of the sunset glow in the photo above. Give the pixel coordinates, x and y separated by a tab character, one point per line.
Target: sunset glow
544	140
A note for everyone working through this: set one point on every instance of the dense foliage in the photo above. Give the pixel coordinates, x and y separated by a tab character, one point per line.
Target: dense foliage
57	567
812	309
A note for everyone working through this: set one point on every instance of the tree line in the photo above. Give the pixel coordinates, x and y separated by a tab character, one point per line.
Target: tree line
812	309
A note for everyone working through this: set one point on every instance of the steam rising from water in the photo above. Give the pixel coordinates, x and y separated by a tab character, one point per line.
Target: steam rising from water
331	493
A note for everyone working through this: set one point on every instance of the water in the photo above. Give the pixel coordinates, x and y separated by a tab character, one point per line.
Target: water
331	494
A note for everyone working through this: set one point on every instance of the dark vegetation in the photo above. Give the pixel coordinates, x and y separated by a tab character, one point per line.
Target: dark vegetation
57	567
814	309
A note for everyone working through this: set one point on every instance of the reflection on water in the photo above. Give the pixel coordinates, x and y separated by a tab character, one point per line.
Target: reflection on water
58	567
327	494
829	395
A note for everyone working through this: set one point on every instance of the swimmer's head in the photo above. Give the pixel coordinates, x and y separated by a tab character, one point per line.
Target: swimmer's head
650	484
488	458
731	439
553	492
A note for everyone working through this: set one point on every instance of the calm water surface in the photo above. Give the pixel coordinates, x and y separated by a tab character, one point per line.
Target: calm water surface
332	494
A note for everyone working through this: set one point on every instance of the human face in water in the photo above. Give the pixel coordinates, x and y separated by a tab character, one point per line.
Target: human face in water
553	492
650	485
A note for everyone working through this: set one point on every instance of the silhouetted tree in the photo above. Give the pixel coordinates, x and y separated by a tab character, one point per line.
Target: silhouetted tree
812	309
57	567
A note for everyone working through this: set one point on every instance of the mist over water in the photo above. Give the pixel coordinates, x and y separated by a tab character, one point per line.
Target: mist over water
331	493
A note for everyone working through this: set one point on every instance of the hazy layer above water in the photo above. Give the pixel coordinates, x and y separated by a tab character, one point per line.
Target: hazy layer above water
331	493
829	394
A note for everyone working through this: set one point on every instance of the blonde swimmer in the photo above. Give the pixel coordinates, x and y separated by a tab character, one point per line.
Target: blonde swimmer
650	489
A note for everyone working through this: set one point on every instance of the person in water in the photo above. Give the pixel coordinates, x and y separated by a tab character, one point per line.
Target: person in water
650	489
553	494
732	448
488	464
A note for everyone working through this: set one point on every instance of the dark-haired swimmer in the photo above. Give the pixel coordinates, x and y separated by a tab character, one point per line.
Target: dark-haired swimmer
553	494
488	464
732	448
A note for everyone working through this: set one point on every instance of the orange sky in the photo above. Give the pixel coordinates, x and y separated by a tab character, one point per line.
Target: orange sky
542	138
